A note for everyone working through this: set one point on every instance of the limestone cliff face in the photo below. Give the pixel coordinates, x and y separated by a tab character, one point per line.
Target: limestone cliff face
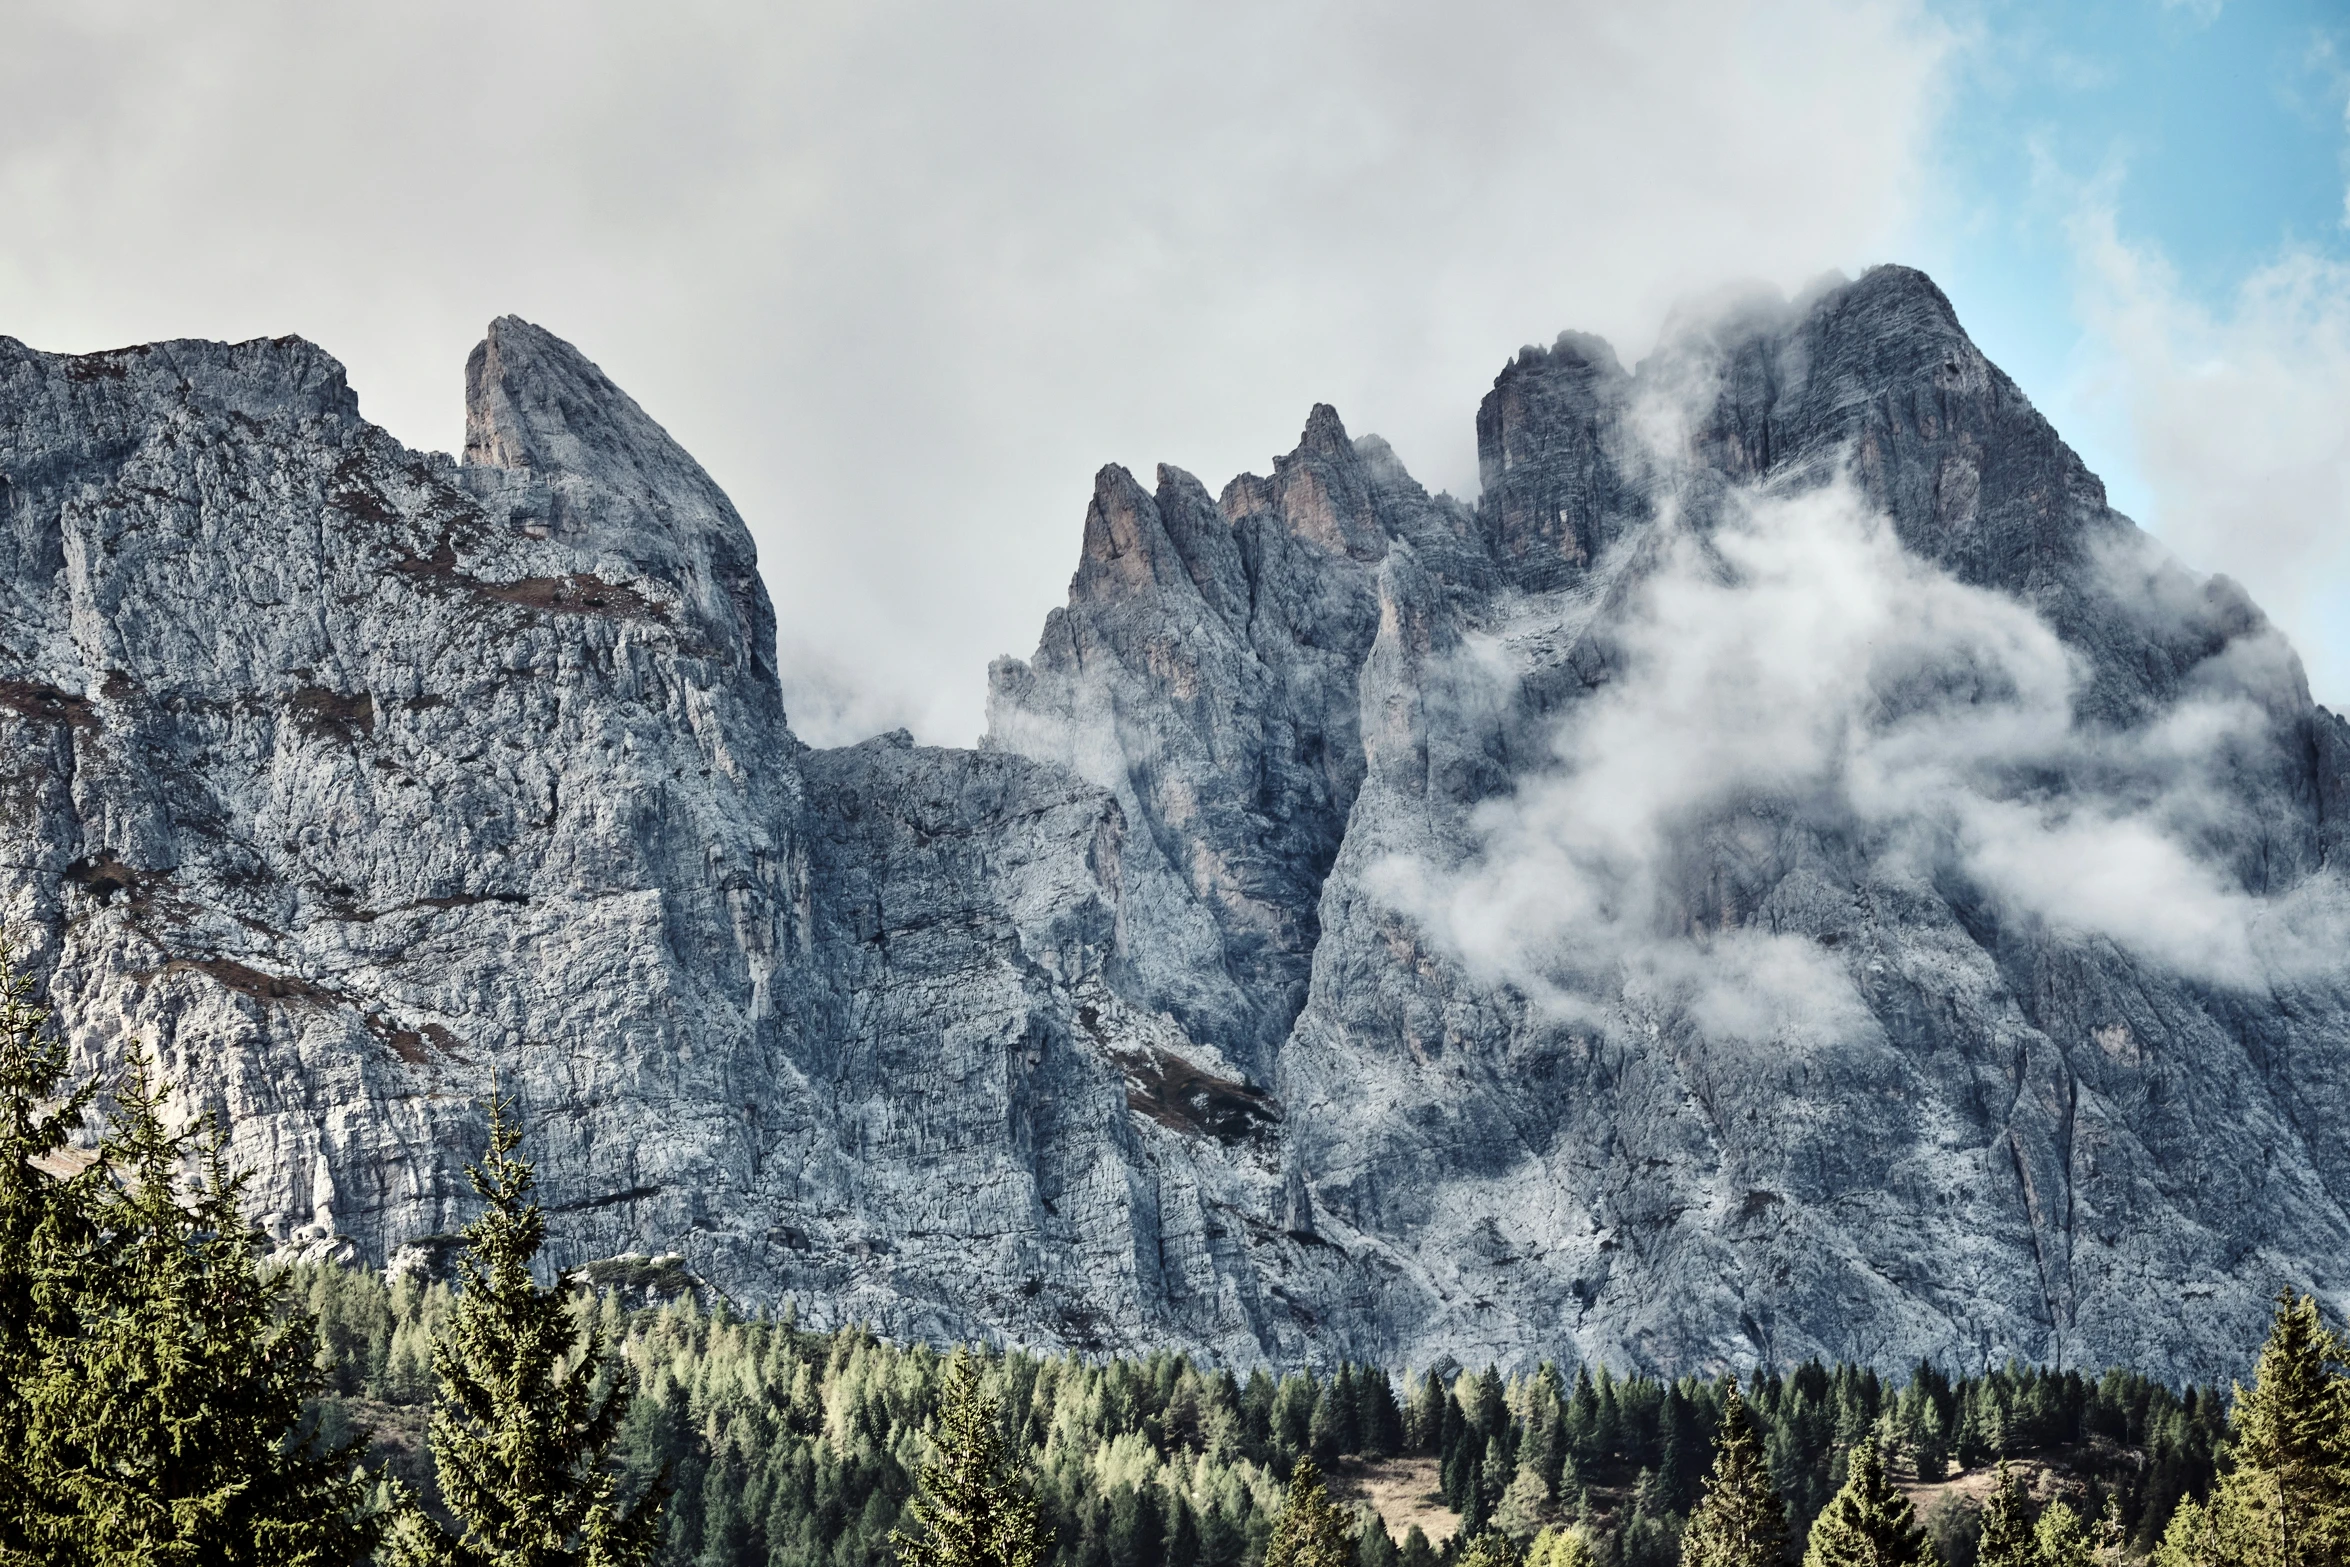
348	776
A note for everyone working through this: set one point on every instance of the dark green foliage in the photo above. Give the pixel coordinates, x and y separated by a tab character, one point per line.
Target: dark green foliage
163	1380
1868	1523
1491	1548
2285	1499
973	1511
1377	1417
801	1448
1309	1532
42	1225
1335	1426
1423	1422
2006	1538
522	1435
1741	1522
2062	1538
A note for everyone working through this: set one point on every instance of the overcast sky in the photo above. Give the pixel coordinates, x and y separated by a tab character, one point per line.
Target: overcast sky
903	275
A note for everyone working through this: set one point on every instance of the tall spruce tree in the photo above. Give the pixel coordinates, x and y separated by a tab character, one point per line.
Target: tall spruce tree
1868	1523
522	1439
1310	1531
2064	1537
166	1406
972	1509
2285	1502
1740	1521
42	1222
2007	1539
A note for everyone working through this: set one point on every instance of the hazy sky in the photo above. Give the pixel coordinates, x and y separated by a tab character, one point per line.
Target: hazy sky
903	275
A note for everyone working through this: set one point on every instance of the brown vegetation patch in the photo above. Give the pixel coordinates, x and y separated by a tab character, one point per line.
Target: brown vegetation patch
1402	1491
2049	1472
47	704
102	875
416	1046
577	593
1182	1098
322	713
248	981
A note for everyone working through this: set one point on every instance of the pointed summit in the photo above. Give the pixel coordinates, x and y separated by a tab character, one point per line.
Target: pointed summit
617	481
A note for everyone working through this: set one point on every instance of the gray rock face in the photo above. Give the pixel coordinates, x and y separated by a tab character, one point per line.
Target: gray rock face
1659	913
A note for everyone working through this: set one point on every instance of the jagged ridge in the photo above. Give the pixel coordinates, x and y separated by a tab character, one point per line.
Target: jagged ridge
347	775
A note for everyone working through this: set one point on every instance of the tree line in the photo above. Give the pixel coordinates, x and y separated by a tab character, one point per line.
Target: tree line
160	1386
166	1395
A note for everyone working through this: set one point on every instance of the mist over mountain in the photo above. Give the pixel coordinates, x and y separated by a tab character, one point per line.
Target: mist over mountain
1787	870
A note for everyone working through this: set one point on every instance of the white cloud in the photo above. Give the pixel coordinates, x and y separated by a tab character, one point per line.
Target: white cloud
904	272
1797	669
2238	424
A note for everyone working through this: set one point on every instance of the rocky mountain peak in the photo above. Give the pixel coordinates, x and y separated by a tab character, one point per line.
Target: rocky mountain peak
1366	928
550	438
1124	548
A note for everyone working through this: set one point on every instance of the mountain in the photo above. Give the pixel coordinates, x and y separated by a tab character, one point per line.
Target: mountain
1788	871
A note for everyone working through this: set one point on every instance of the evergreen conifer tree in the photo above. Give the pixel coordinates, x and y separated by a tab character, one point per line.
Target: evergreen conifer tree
2191	1539
1491	1548
2007	1539
1559	1548
1868	1523
2063	1538
1310	1532
2286	1500
41	1220
165	1411
1476	1512
1423	1422
522	1440
1740	1521
972	1510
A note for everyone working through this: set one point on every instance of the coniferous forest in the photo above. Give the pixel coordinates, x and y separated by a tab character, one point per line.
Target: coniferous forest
167	1394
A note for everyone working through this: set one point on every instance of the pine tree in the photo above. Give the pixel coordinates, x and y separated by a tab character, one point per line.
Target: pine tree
1331	1430
2191	1539
42	1220
2286	1500
1518	1513
1492	1548
167	1404
1559	1548
521	1439
2007	1539
1868	1523
972	1510
1310	1532
1423	1422
1377	1417
1740	1522
2063	1538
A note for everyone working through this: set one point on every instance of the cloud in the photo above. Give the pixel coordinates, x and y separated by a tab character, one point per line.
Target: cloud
2236	415
1793	683
903	273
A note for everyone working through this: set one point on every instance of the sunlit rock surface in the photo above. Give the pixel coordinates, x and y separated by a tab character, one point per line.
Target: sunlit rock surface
350	777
